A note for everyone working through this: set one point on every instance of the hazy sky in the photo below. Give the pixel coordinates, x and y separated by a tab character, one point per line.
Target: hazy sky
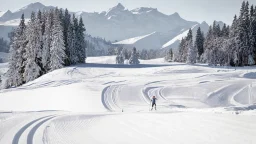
195	10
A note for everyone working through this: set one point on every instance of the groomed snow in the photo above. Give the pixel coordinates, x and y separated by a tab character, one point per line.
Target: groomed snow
104	103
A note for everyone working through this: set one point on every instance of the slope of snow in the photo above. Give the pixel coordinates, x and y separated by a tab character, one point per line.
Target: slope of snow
2	13
173	43
177	38
133	40
101	100
189	86
33	6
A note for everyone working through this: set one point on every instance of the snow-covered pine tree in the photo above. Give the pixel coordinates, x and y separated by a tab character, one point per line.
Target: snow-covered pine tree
4	46
252	36
32	69
182	50
225	31
47	39
208	45
199	43
14	75
119	58
243	34
125	54
57	48
76	43
233	45
33	49
71	40
192	51
134	57
41	28
67	34
169	56
82	45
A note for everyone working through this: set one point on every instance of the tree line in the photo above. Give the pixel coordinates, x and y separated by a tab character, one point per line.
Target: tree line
49	41
233	45
4	46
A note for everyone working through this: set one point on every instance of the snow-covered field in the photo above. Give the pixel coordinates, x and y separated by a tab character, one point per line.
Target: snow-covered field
104	103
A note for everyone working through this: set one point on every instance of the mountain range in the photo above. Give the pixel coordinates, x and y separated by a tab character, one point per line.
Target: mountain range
144	28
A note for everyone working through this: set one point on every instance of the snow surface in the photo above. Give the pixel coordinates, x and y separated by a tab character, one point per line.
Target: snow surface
2	13
83	104
133	40
178	37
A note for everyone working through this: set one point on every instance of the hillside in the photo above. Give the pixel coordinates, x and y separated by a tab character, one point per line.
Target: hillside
209	102
95	77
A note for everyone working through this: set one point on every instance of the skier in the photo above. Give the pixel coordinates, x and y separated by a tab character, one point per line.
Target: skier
153	102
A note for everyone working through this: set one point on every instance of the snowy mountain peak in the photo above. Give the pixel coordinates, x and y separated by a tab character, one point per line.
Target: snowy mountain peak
204	24
5	13
119	8
175	15
34	6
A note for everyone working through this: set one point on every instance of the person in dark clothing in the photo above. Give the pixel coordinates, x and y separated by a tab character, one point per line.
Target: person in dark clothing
153	102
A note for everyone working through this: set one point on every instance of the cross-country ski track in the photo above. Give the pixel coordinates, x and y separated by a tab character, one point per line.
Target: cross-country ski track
105	103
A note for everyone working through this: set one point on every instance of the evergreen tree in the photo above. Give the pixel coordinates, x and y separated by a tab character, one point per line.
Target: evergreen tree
81	49
199	43
76	43
243	34
33	50
182	47
144	55
68	35
125	54
252	36
225	31
40	26
169	56
192	51
119	57
233	46
47	40
16	61
57	48
134	57
4	46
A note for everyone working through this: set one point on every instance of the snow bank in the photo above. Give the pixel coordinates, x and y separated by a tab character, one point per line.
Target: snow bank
251	75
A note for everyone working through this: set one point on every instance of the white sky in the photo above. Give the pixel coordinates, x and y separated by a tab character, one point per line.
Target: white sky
194	10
